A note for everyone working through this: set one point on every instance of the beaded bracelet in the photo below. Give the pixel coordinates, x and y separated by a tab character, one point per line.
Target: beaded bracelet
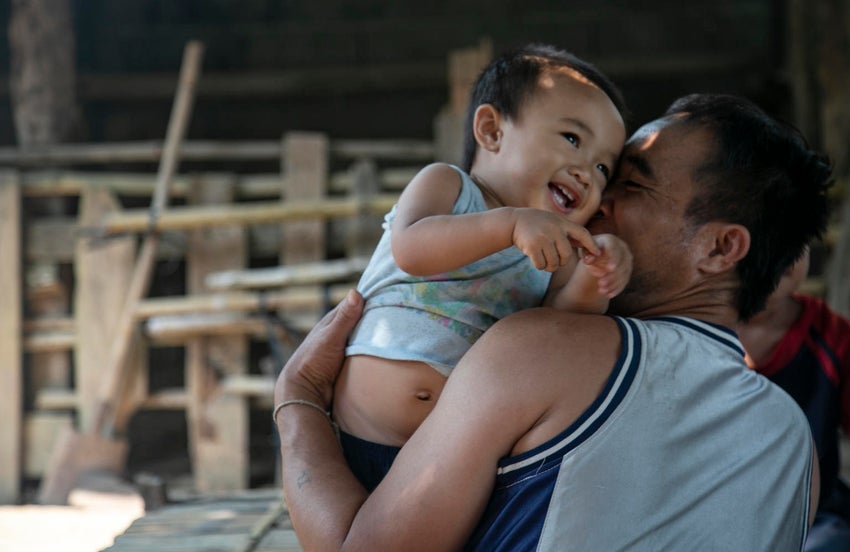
289	402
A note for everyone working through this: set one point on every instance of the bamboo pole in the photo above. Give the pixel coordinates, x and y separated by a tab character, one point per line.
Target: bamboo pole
248	186
206	150
290	275
239	301
192	218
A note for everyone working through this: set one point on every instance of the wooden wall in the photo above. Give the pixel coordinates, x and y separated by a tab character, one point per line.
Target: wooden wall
375	68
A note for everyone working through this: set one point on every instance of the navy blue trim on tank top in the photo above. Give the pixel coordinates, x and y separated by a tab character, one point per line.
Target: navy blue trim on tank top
618	384
717	332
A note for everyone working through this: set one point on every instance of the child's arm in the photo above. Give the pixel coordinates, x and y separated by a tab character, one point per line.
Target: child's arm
593	280
428	239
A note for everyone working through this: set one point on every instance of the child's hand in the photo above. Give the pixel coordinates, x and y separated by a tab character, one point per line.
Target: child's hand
548	239
612	266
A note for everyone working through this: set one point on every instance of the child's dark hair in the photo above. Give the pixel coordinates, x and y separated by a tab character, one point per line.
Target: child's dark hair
763	176
510	79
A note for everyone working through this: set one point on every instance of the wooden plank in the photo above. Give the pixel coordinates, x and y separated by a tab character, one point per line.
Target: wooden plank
11	305
40	432
47	297
245	301
205	150
103	270
255	520
39	183
217	425
178	330
305	164
364	231
291	275
304	161
193	218
464	66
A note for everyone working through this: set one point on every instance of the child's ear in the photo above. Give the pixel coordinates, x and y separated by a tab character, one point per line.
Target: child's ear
487	127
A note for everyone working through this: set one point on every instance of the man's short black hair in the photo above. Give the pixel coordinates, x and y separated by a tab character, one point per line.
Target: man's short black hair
763	176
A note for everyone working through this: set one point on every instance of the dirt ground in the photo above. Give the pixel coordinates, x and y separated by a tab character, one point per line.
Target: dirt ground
89	524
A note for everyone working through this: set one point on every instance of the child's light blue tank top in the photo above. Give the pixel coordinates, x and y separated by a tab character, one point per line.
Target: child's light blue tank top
435	319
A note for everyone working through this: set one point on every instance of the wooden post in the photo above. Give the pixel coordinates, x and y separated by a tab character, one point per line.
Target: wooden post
802	68
305	166
834	71
103	270
11	377
365	229
464	67
218	422
43	71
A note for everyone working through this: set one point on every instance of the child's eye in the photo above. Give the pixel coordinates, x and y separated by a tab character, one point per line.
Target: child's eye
604	170
571	138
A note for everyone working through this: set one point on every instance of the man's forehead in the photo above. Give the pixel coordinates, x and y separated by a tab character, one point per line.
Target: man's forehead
646	135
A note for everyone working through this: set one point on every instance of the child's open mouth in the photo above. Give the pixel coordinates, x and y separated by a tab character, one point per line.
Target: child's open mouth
563	196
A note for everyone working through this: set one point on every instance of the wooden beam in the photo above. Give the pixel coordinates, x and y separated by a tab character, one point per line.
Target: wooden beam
238	301
291	275
192	218
39	183
218	429
102	271
212	151
41	430
11	368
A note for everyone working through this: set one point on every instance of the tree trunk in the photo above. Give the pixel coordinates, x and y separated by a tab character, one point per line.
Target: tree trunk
43	72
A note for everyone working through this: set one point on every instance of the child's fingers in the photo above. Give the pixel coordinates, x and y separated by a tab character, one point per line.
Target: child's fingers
580	237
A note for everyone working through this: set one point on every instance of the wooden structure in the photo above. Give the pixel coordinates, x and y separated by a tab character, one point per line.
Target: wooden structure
252	243
255	521
226	220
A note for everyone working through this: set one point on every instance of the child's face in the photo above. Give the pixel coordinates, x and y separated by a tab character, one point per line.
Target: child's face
561	149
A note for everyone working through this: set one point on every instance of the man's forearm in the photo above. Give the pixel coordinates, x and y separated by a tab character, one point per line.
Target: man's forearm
321	493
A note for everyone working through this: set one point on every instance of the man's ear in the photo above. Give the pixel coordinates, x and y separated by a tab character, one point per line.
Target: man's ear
487	127
722	245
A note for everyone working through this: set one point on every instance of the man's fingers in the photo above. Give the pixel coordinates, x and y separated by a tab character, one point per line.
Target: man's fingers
346	315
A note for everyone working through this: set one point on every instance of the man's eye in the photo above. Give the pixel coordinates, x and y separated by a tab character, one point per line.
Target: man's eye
631	186
571	138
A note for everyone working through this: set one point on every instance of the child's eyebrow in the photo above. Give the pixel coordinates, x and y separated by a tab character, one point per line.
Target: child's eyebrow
579	123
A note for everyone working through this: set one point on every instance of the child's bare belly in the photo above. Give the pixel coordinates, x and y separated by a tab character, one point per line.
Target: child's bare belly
384	401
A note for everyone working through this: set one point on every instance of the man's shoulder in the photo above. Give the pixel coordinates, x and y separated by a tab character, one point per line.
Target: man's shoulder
542	323
554	337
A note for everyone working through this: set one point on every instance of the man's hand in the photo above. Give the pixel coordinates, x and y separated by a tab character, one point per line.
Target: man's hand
313	368
548	239
612	266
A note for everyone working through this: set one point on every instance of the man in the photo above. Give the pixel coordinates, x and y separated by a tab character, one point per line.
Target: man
560	431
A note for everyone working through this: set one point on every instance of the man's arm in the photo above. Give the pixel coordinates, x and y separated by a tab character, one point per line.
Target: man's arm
512	391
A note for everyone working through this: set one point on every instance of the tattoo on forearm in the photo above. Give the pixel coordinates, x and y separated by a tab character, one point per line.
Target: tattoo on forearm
303	479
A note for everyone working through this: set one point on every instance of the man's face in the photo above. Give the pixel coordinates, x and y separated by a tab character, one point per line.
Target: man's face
645	206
